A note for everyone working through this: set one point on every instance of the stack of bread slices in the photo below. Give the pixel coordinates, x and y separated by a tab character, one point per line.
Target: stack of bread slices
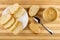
9	20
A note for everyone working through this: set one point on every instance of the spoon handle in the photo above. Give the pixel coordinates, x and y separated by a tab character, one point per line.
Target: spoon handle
51	32
39	21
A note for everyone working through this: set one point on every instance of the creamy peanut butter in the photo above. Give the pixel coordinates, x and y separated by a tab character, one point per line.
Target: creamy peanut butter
50	14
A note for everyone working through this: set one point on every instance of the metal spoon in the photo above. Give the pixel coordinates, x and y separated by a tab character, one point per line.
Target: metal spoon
39	21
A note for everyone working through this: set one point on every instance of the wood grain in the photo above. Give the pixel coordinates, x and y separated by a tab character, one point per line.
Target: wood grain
27	34
53	2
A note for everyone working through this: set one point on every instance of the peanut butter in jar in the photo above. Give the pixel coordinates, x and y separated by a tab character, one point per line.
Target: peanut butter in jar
50	14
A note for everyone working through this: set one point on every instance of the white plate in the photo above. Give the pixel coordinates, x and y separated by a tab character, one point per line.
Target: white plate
23	19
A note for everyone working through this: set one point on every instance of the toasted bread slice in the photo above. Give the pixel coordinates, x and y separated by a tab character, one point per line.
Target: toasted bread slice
18	28
14	8
35	28
20	12
4	19
9	23
13	26
33	10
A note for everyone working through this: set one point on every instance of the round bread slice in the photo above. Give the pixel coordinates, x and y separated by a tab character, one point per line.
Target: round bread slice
9	23
14	8
33	10
20	13
18	29
13	26
4	19
35	28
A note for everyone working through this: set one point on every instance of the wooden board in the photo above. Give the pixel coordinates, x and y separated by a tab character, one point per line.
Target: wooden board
30	2
27	34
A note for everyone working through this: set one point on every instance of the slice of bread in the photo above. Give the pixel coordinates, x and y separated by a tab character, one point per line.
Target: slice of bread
33	10
20	13
14	8
18	28
13	26
9	23
4	19
35	28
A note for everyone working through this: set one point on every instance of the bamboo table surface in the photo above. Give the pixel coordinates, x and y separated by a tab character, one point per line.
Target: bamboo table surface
26	34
